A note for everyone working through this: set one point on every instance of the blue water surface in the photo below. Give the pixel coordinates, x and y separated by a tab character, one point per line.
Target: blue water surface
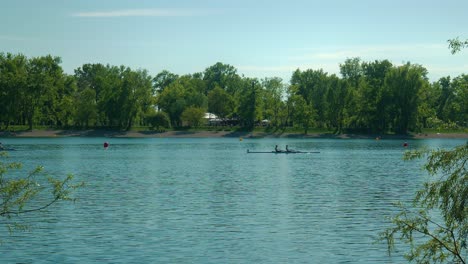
172	200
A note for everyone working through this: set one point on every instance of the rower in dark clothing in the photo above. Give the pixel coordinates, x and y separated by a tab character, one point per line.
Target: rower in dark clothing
277	150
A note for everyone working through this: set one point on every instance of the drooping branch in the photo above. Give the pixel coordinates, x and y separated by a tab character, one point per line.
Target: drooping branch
17	212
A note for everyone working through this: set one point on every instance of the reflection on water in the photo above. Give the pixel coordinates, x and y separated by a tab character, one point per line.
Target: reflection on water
208	201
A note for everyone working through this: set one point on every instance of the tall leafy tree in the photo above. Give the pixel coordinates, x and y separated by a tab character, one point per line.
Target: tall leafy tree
195	90
459	111
86	108
374	97
162	80
351	70
250	104
273	104
186	91
172	101
13	83
135	98
110	96
44	78
65	109
222	75
426	111
404	84
336	102
193	116
446	94
312	86
303	113
220	103
102	79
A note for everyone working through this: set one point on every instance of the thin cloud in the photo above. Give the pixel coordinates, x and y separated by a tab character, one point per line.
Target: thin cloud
377	51
252	68
165	12
285	71
438	70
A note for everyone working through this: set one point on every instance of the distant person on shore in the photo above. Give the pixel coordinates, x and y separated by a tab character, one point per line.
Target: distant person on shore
287	149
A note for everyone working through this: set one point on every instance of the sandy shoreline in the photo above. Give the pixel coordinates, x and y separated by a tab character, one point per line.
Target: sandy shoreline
209	134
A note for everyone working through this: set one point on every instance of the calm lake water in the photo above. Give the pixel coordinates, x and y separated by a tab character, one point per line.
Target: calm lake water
166	200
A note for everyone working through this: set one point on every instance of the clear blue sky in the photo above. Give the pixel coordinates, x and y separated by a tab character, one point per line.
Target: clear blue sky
259	38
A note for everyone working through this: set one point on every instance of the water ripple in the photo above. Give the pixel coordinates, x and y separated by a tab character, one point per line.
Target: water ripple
207	201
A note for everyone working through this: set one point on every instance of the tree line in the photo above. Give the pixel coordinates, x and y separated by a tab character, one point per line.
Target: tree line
369	97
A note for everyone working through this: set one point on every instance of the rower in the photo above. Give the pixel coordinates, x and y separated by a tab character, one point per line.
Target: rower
277	150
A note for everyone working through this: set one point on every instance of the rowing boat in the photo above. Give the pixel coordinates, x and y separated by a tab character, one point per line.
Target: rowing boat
284	152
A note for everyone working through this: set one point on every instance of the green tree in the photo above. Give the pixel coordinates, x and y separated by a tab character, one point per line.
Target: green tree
44	79
20	194
162	80
459	109
193	116
351	70
135	98
312	85
336	102
436	224
250	104
186	91
403	84
303	113
194	90
222	75
376	97
220	102
451	100
446	95
426	110
13	81
65	109
106	82
159	120
273	100
86	108
172	101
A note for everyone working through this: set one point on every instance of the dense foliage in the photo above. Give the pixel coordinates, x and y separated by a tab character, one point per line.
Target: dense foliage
436	224
369	97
